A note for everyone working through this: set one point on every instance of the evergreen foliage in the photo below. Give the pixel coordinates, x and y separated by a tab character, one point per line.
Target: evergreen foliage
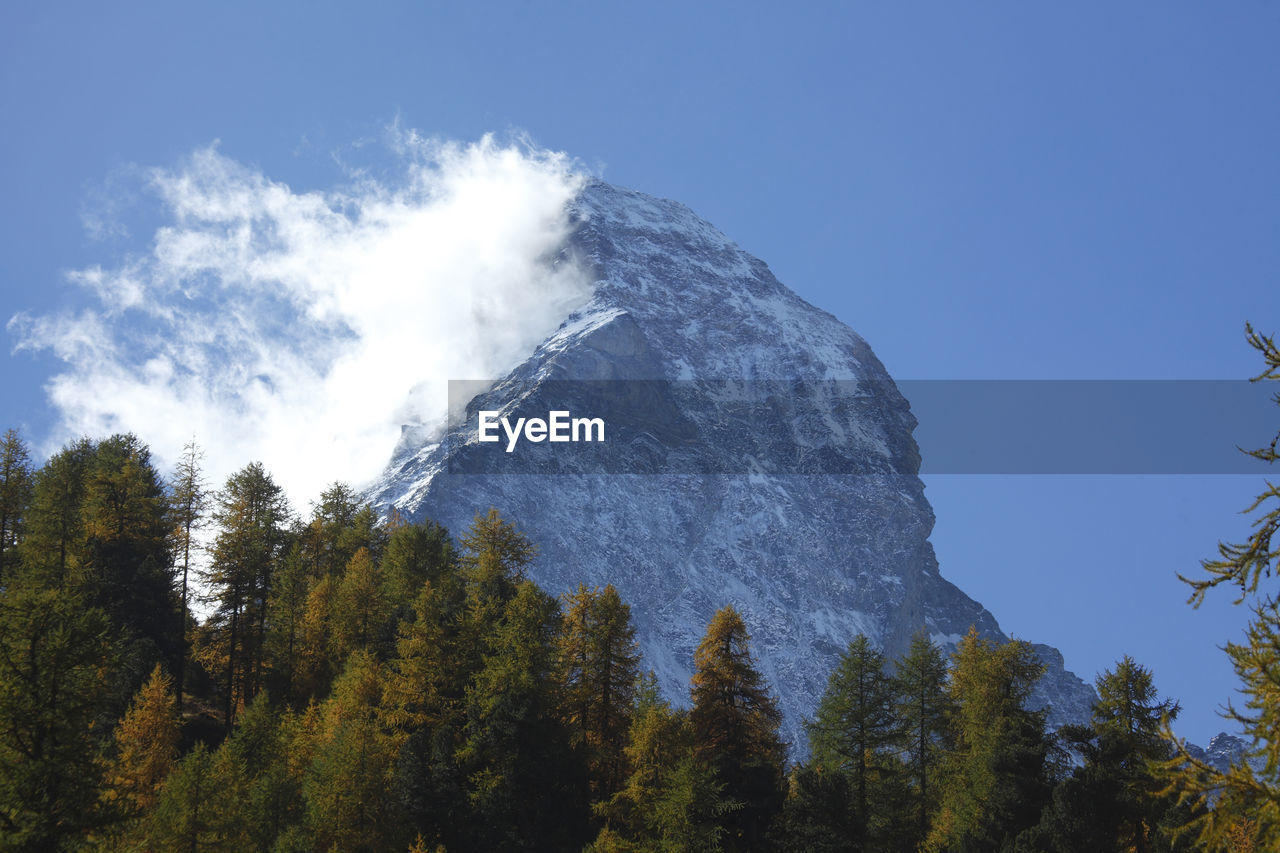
56	657
362	684
856	723
252	516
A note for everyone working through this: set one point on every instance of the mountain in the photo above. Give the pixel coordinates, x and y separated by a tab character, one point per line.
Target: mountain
757	453
1225	750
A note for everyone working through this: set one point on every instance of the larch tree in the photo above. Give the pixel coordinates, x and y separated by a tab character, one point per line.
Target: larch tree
252	515
995	782
1247	798
189	501
735	724
348	783
127	565
1112	800
146	747
599	665
53	548
16	486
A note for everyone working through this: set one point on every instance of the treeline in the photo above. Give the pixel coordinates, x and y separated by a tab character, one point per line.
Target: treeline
362	683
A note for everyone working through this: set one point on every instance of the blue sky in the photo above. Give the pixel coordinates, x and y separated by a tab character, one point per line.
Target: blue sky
1005	190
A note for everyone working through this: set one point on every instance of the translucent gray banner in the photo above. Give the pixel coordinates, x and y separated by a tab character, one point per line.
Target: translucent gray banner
782	427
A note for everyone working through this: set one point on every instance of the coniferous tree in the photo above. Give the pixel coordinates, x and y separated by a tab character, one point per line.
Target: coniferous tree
348	783
1112	801
854	727
415	554
126	567
56	659
816	817
426	692
252	516
16	486
599	663
996	781
362	612
924	710
340	527
53	549
493	563
287	605
527	788
189	501
735	725
188	808
670	800
1247	801
146	747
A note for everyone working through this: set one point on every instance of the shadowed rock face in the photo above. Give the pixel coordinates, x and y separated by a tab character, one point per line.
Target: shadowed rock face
757	454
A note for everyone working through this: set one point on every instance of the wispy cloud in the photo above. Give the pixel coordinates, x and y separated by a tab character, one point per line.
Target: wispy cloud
302	329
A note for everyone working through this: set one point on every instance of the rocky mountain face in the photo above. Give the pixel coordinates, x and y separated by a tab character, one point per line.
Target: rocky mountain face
756	453
1223	751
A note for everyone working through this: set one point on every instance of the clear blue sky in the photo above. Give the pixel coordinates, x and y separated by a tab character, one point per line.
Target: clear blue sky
998	190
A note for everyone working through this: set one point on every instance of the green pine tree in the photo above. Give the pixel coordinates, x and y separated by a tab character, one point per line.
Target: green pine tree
854	728
252	515
924	709
56	659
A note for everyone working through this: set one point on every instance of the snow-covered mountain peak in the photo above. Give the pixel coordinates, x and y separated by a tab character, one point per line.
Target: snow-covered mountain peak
759	454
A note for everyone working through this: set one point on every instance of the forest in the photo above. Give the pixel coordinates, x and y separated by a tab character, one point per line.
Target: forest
184	667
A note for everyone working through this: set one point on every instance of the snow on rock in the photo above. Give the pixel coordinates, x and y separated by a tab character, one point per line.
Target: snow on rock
812	520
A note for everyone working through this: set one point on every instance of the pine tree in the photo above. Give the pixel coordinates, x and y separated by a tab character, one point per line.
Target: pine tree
189	501
16	487
1111	801
924	709
56	660
126	568
526	788
53	549
1245	797
735	729
252	515
855	725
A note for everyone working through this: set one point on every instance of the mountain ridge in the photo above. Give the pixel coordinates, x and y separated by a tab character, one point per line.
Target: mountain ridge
812	519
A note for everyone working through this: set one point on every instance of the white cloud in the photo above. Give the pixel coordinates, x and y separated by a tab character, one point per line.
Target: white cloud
302	329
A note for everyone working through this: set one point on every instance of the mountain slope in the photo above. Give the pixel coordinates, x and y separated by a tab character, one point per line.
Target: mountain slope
757	454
